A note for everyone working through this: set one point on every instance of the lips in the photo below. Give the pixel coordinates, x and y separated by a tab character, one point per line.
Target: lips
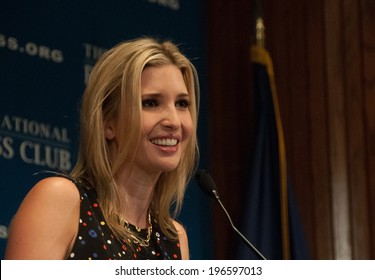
165	142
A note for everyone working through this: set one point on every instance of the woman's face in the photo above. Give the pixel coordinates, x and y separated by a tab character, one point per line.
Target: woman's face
166	120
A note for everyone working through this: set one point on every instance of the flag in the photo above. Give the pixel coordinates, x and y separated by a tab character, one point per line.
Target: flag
270	216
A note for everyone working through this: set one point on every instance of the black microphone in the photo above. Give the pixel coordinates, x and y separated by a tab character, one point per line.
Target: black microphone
208	186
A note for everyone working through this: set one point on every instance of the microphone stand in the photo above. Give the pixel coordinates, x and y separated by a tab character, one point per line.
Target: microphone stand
243	238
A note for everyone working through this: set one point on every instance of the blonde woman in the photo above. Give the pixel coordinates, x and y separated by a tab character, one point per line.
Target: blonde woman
138	150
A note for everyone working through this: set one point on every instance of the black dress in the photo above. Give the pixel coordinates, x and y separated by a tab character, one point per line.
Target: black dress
96	241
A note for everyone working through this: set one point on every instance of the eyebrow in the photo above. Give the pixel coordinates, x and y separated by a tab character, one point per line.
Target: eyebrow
158	95
184	94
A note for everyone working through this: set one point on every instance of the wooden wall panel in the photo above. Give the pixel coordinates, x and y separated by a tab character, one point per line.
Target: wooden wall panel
230	112
337	129
358	183
368	78
318	229
324	60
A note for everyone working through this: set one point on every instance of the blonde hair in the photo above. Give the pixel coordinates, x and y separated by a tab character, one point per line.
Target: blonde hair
113	92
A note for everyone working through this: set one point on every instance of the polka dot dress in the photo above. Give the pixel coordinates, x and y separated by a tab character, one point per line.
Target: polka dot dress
96	241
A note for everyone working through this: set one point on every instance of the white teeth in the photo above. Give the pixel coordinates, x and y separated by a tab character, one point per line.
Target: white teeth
164	142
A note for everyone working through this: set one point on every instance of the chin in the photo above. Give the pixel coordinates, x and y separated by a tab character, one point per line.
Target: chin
169	168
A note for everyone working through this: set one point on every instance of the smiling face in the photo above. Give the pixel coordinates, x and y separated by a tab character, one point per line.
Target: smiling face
166	120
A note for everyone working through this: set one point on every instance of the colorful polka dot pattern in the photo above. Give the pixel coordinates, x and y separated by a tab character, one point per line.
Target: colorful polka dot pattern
95	240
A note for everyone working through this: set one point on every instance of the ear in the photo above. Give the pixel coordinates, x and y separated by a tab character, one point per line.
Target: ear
109	130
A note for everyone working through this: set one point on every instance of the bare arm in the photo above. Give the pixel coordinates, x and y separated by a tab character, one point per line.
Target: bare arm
46	223
184	244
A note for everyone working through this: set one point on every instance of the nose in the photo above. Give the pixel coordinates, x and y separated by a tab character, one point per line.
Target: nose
171	118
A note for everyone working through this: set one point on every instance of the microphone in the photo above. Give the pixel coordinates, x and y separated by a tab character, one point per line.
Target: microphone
208	186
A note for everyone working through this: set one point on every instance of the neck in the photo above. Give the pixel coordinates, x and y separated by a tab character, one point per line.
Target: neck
137	190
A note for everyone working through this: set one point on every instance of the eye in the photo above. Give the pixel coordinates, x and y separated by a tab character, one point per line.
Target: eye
149	103
183	103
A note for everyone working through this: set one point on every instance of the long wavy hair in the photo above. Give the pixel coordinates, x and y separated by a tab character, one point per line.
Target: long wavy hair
113	93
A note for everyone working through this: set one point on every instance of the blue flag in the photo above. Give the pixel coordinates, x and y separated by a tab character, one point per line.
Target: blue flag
270	216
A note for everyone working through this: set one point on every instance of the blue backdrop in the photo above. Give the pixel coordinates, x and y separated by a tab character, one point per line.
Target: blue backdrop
47	49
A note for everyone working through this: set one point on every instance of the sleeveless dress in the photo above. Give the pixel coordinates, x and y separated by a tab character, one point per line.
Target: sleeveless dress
96	241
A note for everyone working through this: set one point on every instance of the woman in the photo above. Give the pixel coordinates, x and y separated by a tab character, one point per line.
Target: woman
138	150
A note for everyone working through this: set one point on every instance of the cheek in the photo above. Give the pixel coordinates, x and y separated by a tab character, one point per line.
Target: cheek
188	127
147	123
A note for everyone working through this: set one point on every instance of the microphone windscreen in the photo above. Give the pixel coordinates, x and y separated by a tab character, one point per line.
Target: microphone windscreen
206	182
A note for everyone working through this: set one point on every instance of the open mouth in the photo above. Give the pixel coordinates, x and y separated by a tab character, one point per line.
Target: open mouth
165	142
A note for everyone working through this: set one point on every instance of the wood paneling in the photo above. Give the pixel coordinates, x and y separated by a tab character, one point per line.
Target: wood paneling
337	128
230	112
356	146
324	60
318	228
367	25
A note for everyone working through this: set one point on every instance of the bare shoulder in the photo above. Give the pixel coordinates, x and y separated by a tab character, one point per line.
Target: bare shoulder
54	187
183	238
180	229
49	214
50	194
